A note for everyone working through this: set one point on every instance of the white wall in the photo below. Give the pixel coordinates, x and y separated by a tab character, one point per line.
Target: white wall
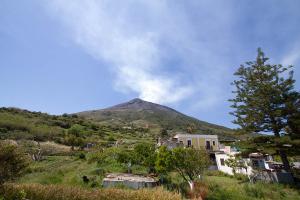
228	170
224	168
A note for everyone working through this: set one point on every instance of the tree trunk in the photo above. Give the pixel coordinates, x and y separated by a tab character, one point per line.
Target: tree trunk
284	160
191	183
282	154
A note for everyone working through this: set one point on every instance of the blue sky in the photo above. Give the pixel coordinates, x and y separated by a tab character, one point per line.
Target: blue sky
65	56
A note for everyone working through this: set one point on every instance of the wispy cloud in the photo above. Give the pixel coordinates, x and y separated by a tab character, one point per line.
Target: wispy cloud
155	48
292	57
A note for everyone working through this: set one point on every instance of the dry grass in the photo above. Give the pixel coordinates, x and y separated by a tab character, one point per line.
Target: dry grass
53	145
60	192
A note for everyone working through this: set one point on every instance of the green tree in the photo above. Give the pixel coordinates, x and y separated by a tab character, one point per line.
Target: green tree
293	113
73	141
145	155
262	93
76	130
190	163
163	133
13	162
163	162
74	136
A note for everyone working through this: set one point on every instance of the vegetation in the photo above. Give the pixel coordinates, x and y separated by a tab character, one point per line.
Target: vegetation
17	124
189	163
71	154
13	162
230	188
265	100
57	192
235	163
153	117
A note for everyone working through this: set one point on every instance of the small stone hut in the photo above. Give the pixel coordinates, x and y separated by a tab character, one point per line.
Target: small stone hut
129	180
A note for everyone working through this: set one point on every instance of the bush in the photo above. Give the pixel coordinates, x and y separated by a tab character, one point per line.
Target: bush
82	156
241	177
13	162
60	192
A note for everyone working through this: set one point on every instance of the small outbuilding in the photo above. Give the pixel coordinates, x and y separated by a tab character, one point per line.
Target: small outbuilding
129	180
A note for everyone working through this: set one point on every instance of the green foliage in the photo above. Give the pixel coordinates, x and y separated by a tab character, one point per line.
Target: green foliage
261	95
163	163
144	154
152	118
189	162
73	140
235	163
13	162
229	188
265	99
20	124
270	145
76	130
163	133
293	111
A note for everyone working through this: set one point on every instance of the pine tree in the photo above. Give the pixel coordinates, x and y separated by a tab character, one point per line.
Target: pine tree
263	95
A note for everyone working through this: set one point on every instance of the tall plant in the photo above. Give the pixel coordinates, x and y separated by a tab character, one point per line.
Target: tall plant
264	94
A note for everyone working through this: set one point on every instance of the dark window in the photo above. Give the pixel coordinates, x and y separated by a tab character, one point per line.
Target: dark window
222	161
207	145
214	143
189	143
255	163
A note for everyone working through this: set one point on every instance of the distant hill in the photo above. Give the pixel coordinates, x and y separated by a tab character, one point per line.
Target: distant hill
145	114
19	124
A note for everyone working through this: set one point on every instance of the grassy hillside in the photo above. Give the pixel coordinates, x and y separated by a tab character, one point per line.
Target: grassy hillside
17	124
153	116
134	120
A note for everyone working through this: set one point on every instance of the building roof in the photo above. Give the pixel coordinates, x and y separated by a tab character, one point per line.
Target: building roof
195	136
120	177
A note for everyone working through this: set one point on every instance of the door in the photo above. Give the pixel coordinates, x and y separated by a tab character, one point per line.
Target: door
208	145
189	143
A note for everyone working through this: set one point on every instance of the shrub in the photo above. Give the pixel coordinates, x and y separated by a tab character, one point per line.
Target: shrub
241	177
82	156
13	162
85	179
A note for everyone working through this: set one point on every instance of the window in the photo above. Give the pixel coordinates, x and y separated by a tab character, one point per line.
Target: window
214	143
222	161
208	145
189	143
255	163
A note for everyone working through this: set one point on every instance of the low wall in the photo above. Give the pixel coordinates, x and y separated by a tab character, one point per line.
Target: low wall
276	177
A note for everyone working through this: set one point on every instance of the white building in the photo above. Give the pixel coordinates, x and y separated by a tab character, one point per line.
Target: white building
226	152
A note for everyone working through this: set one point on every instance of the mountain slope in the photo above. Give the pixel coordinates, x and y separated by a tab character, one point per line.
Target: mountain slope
153	116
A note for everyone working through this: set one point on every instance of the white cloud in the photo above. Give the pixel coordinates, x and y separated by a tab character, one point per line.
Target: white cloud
105	31
291	58
140	37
